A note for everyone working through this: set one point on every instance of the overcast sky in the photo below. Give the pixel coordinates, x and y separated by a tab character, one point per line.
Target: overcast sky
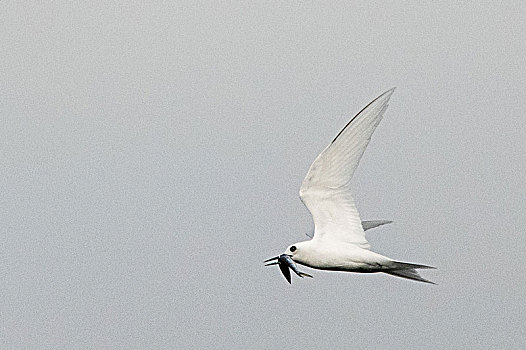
152	153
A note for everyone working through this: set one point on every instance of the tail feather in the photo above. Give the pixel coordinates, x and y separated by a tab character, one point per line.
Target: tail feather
408	271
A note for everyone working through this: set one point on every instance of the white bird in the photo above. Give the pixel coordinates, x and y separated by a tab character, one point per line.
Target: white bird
339	242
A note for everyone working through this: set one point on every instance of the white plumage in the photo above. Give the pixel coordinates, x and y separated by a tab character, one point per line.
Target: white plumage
339	241
325	191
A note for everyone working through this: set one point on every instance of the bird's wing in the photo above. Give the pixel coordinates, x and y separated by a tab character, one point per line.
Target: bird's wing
325	191
367	225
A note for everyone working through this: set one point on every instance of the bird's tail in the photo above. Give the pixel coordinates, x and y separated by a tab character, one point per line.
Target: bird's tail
407	270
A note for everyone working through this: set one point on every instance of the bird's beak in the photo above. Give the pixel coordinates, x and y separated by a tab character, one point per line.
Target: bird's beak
274	263
286	264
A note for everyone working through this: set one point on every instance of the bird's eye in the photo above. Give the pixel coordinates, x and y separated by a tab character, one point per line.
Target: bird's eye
293	248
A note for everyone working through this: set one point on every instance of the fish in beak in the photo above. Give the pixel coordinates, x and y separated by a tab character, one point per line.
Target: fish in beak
286	264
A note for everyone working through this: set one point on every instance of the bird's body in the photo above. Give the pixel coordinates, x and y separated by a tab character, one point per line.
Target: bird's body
339	242
338	257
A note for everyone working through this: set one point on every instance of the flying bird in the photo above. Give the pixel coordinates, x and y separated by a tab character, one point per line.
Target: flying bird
338	242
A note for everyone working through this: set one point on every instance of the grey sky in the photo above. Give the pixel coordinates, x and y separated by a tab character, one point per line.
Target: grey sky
152	155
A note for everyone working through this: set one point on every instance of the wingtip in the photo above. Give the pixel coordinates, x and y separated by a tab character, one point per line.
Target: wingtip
383	99
388	92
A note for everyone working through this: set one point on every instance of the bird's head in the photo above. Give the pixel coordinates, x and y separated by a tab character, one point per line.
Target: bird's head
286	261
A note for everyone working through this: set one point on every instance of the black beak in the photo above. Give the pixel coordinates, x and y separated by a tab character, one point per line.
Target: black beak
286	264
274	263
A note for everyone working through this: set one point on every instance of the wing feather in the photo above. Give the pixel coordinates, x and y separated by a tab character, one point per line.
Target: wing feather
325	191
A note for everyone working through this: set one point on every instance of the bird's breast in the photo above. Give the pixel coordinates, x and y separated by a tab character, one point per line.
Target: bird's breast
339	258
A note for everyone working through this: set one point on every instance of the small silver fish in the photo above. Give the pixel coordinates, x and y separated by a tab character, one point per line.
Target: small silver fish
285	262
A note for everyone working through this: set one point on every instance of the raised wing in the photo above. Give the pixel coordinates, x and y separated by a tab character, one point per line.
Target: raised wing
325	191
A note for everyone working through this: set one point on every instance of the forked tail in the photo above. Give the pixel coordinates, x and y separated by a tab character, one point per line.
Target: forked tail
406	270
